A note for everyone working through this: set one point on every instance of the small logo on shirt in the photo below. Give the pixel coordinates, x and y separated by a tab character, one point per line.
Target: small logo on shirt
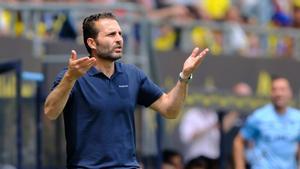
123	86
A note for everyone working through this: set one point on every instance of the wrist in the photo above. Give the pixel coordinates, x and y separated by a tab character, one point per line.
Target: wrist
184	78
69	78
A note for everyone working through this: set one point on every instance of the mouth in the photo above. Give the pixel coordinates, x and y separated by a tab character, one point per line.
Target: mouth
118	49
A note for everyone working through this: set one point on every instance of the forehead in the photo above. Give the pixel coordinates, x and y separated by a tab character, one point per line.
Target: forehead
280	83
108	25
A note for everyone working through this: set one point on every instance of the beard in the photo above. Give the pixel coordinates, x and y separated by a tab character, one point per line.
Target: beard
108	54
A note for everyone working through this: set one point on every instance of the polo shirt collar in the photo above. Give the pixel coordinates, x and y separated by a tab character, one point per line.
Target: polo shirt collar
93	71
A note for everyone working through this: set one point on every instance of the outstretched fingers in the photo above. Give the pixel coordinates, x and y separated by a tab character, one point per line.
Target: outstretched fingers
83	63
88	63
201	55
195	52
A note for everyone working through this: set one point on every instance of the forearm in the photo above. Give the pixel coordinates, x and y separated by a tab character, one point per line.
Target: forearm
298	155
238	155
58	98
175	100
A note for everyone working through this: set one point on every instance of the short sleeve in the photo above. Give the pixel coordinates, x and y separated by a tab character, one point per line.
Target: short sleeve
149	92
250	129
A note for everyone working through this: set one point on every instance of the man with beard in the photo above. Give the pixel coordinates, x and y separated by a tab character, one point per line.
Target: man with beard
98	95
271	133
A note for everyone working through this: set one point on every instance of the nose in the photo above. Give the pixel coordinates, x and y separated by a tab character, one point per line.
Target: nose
119	38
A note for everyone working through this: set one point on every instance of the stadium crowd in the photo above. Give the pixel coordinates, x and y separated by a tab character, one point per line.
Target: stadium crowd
239	23
238	32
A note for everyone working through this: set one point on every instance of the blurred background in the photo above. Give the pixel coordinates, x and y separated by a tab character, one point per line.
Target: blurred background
249	40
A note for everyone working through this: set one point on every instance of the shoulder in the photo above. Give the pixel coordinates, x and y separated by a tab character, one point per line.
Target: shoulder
131	70
294	112
261	112
126	67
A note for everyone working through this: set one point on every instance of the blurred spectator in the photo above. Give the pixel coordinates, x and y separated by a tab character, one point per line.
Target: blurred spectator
166	36
257	11
236	37
231	123
68	29
198	163
273	130
160	10
242	89
5	21
172	159
199	131
296	16
282	12
254	46
216	9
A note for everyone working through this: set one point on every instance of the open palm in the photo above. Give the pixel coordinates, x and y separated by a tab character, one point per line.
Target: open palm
193	61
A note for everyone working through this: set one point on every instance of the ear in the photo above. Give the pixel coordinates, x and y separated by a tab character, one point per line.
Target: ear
91	42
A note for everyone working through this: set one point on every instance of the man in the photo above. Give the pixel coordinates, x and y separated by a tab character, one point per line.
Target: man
98	96
273	131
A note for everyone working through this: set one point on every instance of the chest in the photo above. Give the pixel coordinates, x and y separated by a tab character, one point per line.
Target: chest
278	130
101	94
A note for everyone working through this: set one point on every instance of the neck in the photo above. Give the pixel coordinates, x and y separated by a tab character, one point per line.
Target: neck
280	110
105	66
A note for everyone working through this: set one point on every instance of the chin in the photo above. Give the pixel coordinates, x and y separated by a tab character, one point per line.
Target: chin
280	105
115	58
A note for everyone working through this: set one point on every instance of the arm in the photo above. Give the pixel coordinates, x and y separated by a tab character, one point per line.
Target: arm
238	152
298	155
170	104
58	98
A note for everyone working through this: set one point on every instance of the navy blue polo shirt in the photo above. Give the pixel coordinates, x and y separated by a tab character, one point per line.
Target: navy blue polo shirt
99	117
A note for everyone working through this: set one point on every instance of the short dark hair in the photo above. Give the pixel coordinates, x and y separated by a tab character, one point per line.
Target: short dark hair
168	154
88	28
275	77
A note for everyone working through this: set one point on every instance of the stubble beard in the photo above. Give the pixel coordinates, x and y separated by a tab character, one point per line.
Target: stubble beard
108	56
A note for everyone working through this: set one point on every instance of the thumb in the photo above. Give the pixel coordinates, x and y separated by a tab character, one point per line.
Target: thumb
73	55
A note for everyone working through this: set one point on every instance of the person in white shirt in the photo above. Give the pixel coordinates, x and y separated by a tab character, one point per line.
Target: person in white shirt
199	131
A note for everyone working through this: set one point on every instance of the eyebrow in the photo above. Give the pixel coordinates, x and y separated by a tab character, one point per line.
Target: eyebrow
113	32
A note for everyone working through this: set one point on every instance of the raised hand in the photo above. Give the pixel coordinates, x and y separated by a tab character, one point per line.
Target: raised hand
78	67
193	61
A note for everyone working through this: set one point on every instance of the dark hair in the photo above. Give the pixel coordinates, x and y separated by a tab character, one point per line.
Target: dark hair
88	28
276	77
168	155
199	162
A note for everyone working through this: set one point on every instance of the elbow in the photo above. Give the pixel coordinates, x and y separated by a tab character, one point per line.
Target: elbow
171	114
170	117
